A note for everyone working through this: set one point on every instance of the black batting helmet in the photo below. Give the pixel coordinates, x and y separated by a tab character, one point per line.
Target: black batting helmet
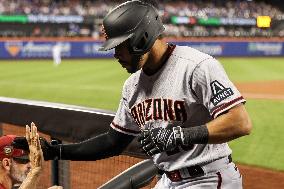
134	20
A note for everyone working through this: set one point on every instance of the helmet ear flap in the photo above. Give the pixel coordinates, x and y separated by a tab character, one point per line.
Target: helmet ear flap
135	49
143	41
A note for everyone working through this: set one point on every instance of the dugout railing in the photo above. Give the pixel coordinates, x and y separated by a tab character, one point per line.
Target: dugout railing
69	123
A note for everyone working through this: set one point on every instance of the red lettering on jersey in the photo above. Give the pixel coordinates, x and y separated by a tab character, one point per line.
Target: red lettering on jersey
135	116
140	113
180	111
168	109
144	109
148	104
153	109
157	110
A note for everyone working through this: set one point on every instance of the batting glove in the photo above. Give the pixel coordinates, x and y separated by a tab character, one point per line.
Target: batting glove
51	151
159	140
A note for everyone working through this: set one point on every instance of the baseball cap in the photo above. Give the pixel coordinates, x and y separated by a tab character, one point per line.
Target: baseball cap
8	151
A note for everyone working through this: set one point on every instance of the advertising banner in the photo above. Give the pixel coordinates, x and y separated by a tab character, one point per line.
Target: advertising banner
10	49
238	48
44	49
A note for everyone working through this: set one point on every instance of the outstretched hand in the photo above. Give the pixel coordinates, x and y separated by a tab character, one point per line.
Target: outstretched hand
36	155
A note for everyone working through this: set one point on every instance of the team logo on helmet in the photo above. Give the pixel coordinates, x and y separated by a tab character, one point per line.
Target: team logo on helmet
104	32
8	150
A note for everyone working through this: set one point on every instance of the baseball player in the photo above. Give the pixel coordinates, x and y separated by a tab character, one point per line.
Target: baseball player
179	101
56	54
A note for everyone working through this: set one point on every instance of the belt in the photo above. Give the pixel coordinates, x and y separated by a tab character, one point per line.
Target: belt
197	170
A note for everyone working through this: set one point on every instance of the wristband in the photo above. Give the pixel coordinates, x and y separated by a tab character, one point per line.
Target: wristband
195	135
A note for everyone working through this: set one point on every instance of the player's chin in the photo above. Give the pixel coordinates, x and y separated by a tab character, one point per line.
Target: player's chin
129	71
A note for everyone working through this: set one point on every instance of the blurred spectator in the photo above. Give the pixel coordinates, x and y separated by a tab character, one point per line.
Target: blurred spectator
98	8
36	32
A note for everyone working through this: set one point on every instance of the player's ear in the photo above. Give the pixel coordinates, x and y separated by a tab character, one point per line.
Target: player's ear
6	164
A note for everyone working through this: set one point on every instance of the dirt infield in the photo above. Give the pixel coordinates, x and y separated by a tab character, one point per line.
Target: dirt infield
259	178
273	90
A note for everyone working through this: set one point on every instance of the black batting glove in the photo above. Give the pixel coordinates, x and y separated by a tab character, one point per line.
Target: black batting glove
159	140
51	151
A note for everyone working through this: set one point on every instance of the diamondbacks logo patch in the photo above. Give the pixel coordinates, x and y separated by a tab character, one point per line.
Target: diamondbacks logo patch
8	150
219	92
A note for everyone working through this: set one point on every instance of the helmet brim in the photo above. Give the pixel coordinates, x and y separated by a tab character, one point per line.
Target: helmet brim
113	42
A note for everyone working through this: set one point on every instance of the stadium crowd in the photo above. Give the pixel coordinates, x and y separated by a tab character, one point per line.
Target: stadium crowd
99	8
247	9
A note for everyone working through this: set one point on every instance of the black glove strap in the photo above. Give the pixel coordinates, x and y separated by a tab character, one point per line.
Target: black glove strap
178	135
51	151
195	135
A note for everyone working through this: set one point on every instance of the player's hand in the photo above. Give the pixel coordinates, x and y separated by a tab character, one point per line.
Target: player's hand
50	151
35	155
159	140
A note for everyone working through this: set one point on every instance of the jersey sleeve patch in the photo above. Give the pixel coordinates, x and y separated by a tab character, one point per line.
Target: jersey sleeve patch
224	107
124	130
219	92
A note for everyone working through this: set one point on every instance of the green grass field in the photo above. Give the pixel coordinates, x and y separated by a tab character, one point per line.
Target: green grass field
92	83
98	83
254	69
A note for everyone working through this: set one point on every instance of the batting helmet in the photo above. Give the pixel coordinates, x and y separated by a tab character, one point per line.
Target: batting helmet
134	20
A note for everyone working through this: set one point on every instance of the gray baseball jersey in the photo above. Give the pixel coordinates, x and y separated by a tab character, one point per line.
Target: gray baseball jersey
190	89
